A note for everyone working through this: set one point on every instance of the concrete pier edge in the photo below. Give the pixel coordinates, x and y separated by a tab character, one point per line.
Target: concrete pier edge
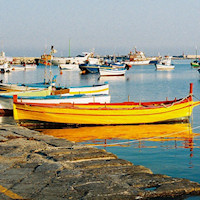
38	166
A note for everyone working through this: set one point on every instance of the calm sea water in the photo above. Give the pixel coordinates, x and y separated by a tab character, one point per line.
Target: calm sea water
173	150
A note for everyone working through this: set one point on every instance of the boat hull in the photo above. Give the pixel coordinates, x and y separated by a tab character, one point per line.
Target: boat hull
18	68
112	72
105	114
58	61
139	62
195	65
74	67
13	87
94	89
164	67
89	68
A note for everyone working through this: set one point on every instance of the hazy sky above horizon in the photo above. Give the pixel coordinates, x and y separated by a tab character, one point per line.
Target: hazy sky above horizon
168	27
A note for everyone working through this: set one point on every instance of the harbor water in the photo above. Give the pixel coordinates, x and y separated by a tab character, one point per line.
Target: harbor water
171	149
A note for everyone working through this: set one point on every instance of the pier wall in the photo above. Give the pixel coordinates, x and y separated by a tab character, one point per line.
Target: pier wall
192	56
28	60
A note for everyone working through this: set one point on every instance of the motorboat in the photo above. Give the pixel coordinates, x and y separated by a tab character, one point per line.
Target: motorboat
165	64
112	71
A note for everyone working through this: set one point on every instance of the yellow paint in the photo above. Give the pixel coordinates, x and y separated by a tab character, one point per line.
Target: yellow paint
89	92
9	193
41	92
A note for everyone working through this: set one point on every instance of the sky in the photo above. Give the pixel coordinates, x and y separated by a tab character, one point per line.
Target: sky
164	27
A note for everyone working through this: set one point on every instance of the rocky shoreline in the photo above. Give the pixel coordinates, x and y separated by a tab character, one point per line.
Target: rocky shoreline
37	166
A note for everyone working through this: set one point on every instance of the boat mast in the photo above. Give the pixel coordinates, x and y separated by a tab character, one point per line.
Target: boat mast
196	53
69	49
45	60
51	53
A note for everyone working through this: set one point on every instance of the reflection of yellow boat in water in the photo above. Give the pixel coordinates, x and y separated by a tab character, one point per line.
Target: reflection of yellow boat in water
157	132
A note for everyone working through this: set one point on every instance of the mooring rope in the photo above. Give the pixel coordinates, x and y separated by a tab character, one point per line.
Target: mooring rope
150	138
145	139
196	97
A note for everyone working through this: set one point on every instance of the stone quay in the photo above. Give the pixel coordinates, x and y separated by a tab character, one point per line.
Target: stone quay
37	166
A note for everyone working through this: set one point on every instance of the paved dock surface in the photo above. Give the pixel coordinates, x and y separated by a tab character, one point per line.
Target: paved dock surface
37	166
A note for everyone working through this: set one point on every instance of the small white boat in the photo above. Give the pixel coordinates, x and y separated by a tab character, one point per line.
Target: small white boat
69	66
165	64
24	67
112	71
5	68
88	90
18	68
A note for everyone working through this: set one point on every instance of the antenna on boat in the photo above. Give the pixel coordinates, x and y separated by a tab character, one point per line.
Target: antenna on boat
45	46
69	49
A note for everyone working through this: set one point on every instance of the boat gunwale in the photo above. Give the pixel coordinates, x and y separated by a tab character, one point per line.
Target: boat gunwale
105	106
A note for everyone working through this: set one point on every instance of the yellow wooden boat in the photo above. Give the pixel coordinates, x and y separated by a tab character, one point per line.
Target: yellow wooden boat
108	114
